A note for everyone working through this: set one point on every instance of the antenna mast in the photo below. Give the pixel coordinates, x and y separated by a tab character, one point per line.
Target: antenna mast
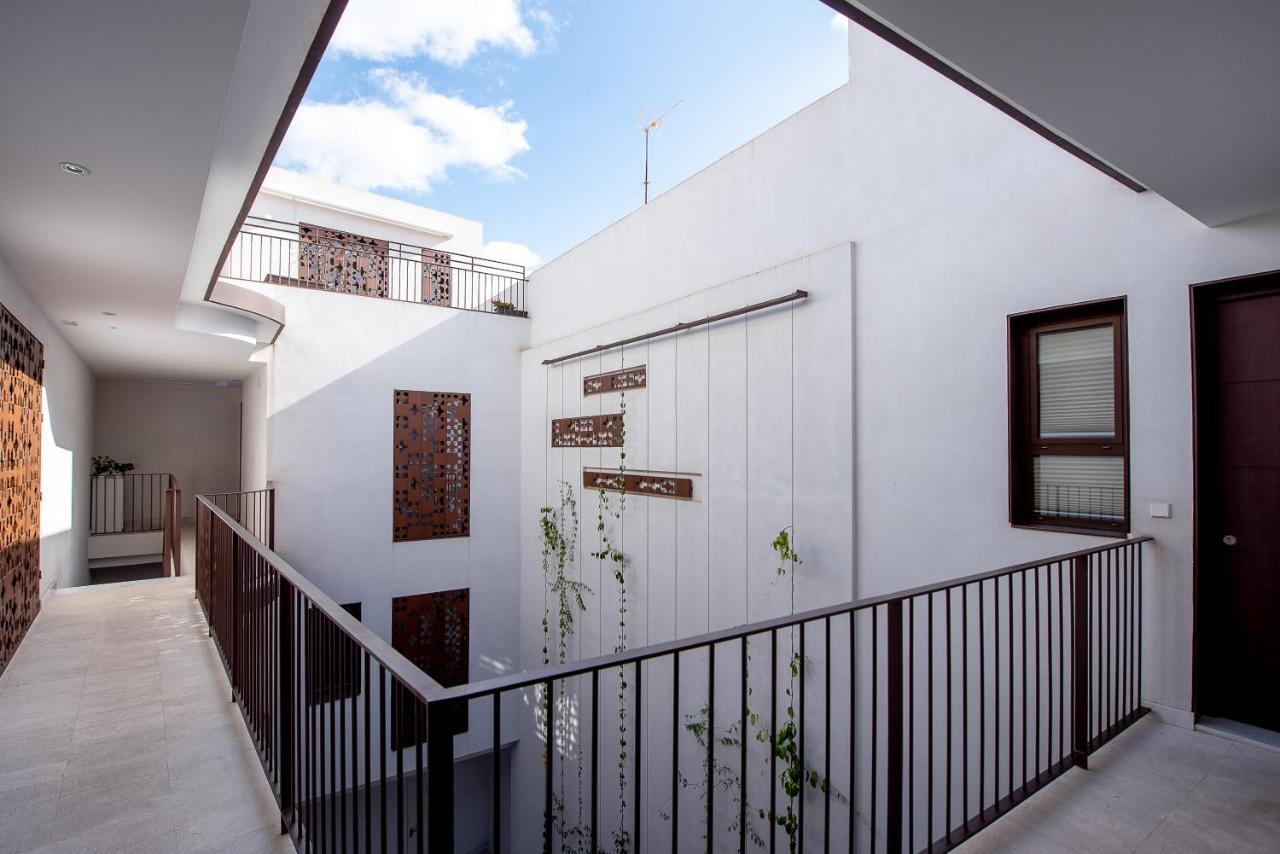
647	126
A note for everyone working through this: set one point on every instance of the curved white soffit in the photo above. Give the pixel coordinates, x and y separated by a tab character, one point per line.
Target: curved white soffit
278	34
209	320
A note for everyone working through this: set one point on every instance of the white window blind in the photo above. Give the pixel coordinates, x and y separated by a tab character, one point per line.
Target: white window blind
1079	487
1076	383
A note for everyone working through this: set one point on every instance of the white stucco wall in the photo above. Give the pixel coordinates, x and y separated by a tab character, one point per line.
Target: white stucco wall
255	400
329	422
191	430
65	445
958	217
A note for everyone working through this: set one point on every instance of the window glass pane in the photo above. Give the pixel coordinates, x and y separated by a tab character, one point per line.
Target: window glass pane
1079	487
1076	369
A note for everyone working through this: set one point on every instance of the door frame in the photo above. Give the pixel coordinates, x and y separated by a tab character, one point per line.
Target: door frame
1203	297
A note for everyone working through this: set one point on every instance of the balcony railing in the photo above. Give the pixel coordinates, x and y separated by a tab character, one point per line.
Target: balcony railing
140	503
325	259
904	722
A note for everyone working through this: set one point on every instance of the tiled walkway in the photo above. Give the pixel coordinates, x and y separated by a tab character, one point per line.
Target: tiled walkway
117	734
1155	788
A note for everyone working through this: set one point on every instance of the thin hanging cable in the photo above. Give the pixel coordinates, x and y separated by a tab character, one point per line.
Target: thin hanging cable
707	480
746	465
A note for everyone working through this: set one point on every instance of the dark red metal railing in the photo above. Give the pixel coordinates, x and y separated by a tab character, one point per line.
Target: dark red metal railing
904	722
140	503
254	509
280	253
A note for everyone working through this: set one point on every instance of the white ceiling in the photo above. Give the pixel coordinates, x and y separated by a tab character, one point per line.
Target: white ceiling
1182	95
171	104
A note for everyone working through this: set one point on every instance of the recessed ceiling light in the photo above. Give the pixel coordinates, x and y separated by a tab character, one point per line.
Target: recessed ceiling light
108	314
74	168
70	323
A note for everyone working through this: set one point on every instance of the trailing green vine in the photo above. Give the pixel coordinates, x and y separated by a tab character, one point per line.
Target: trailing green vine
613	554
558	532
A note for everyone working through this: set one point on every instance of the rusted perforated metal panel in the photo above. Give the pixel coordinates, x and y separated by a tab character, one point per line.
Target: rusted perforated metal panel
639	483
335	260
432	465
588	431
20	418
432	630
621	380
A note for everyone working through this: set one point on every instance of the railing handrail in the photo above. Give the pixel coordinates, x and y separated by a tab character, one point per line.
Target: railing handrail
430	691
530	678
410	675
289	231
136	474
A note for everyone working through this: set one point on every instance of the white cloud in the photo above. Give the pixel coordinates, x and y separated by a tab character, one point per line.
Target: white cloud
512	253
839	23
448	31
409	141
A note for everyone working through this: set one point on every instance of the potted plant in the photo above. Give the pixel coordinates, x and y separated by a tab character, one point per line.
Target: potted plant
502	306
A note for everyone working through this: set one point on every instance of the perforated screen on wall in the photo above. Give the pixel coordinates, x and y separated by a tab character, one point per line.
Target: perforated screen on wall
432	630
23	366
432	465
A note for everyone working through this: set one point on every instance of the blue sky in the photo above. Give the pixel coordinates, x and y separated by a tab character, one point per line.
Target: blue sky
524	115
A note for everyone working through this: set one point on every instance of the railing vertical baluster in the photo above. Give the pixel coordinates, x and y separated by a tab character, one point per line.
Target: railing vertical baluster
547	811
950	710
636	765
964	706
285	673
1012	671
911	723
982	701
367	665
495	832
742	747
1025	736
1062	667
826	739
1036	604
440	806
711	745
1080	662
798	700
440	786
853	735
773	739
385	743
595	758
893	735
928	838
995	699
675	753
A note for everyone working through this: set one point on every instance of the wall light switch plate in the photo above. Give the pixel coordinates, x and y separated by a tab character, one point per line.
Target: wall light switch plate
1161	510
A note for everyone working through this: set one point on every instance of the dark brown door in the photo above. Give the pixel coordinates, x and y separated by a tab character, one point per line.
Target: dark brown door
1238	574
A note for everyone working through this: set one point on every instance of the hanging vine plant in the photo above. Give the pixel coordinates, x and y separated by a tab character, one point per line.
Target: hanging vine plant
558	533
610	553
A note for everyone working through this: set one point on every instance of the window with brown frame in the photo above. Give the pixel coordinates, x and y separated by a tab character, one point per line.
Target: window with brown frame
1068	419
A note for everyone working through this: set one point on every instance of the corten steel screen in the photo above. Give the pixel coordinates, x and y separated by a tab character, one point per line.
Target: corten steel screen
342	261
432	466
20	418
432	630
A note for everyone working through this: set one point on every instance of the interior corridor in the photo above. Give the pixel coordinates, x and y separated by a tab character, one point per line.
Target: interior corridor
117	732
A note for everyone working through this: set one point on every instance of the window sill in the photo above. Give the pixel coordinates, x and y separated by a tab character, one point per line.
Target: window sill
1111	533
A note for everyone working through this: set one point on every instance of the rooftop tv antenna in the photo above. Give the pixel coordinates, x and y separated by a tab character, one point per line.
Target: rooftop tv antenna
648	126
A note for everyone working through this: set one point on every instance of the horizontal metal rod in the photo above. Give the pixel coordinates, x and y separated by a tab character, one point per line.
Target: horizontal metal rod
681	327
